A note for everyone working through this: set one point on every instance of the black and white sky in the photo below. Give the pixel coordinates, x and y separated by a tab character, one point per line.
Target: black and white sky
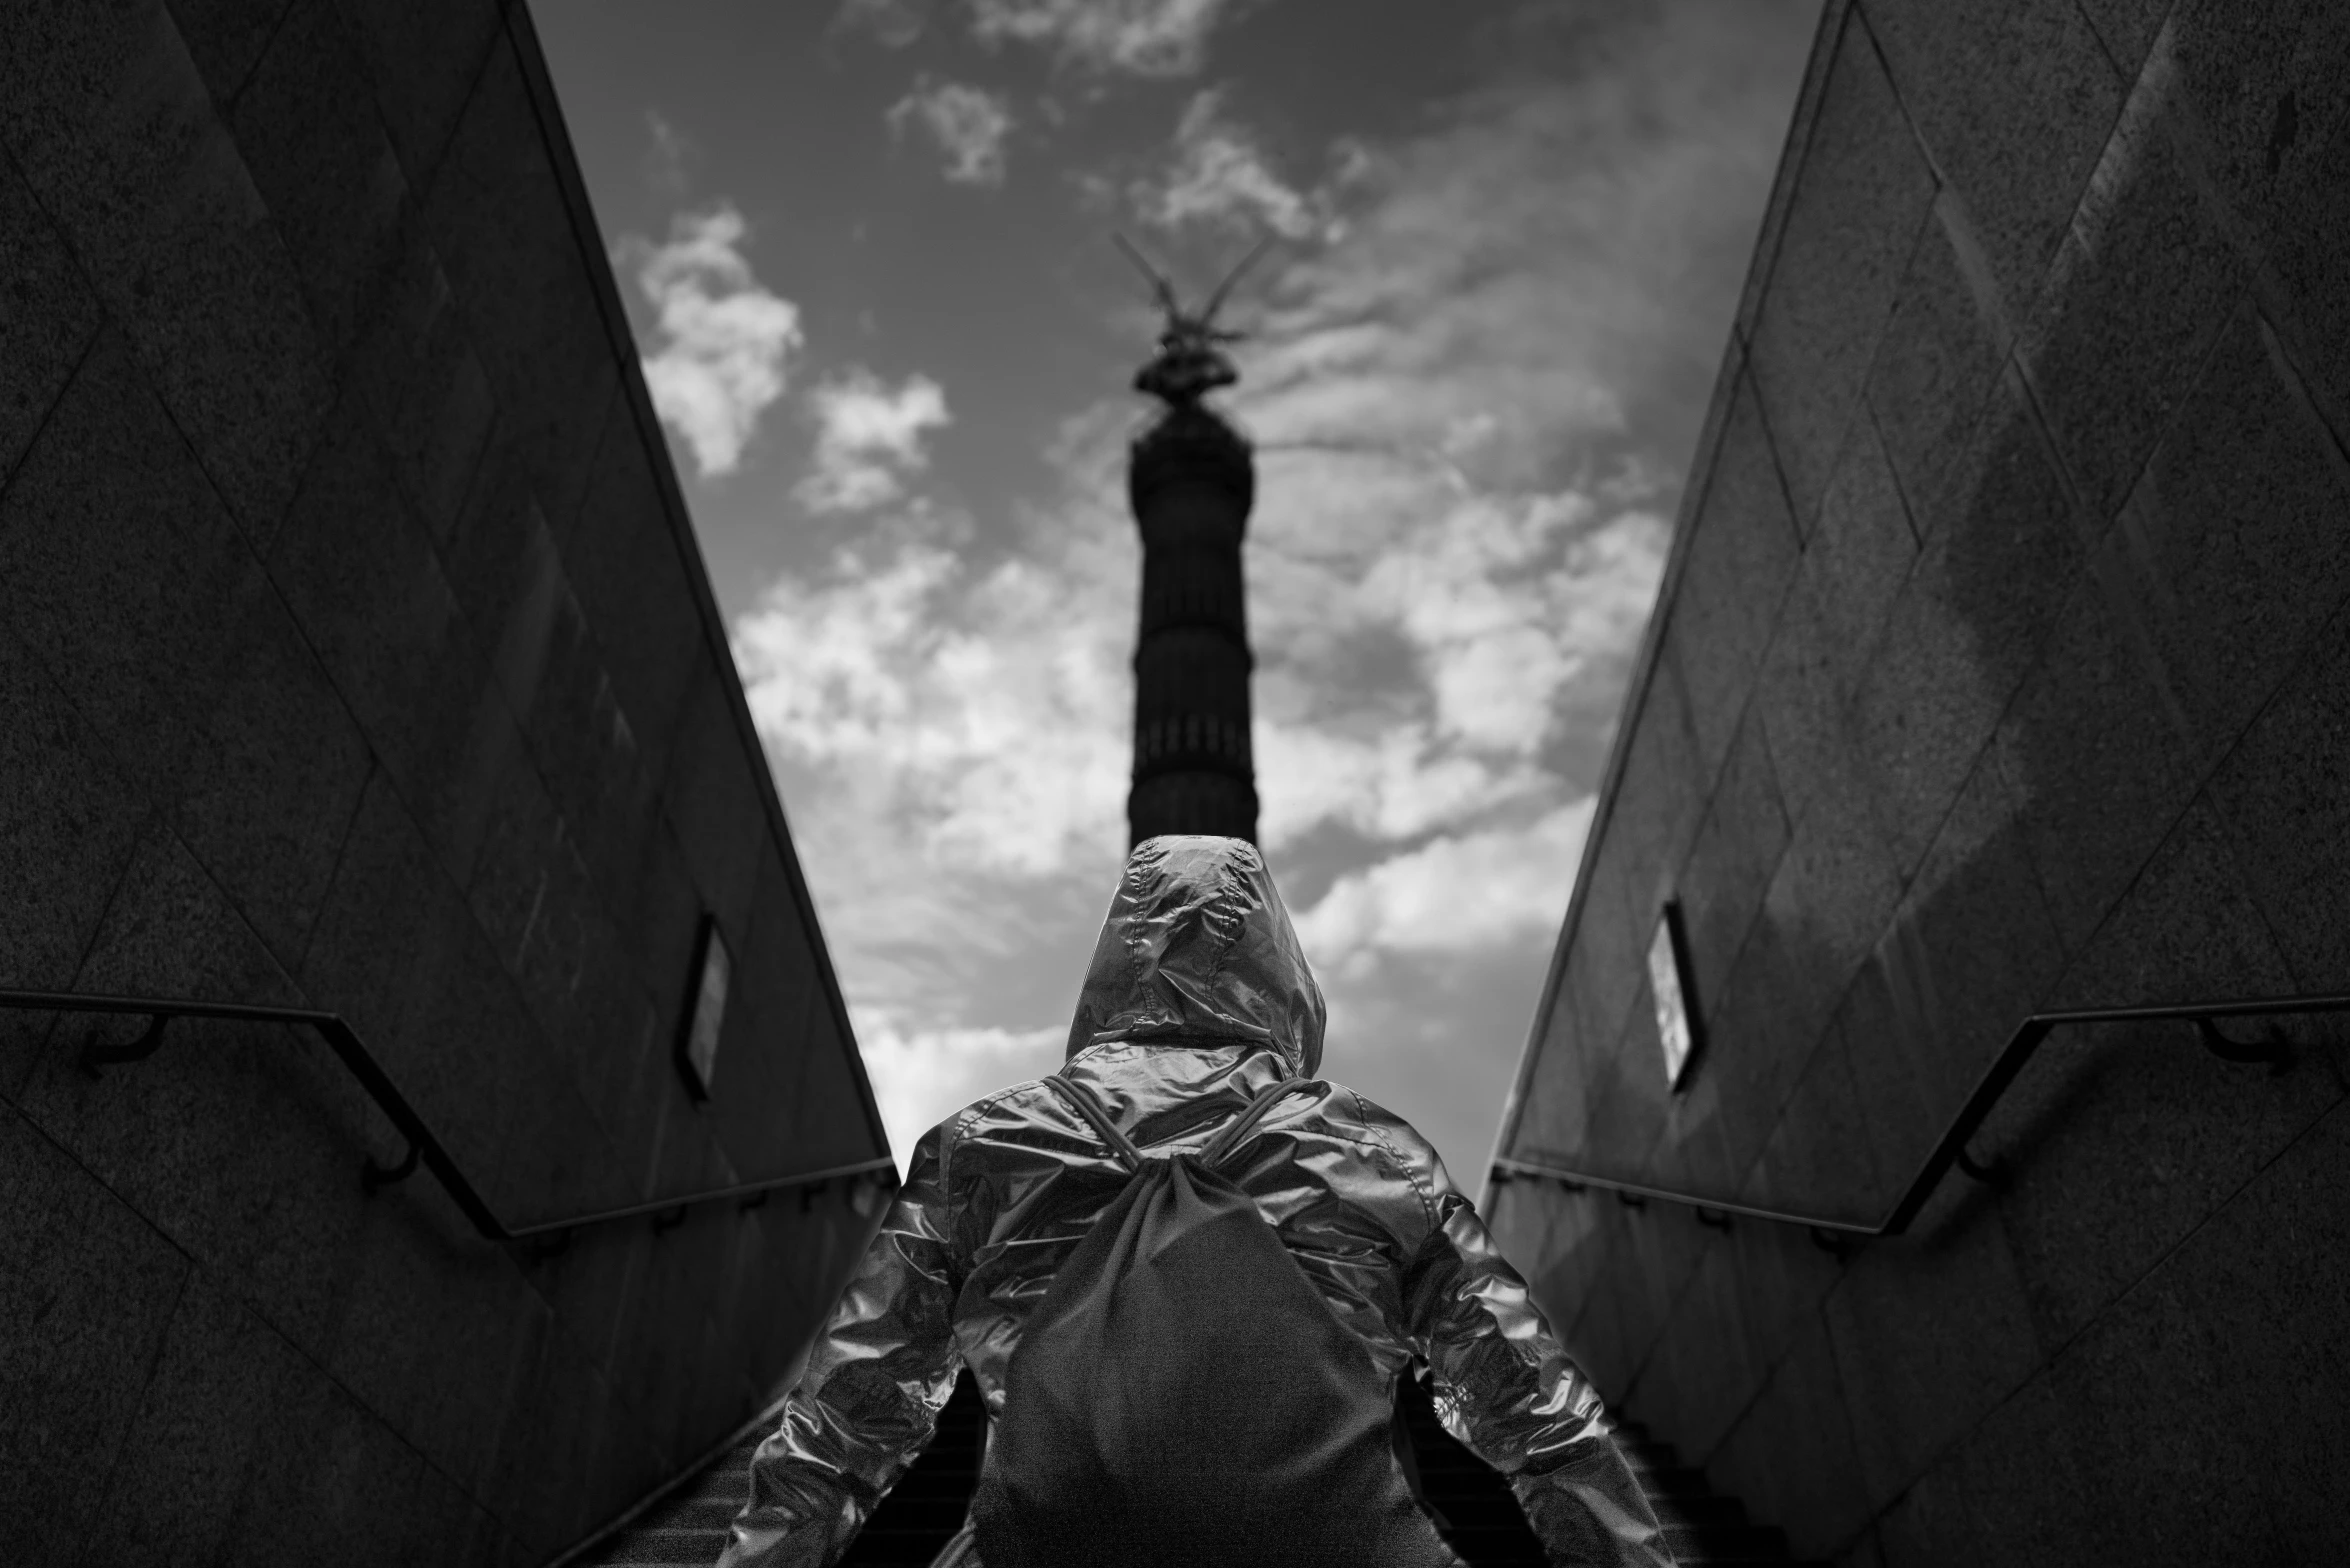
867	249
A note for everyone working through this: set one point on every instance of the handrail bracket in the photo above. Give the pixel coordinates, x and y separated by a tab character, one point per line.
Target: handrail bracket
2270	1048
96	1053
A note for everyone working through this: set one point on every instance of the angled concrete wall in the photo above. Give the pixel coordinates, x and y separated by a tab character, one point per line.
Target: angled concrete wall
355	653
2003	664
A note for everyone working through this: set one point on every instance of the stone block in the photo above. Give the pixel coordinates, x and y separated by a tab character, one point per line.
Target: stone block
1818	1159
2233	549
2101	758
1783	1278
2304	258
1938	365
2010	1491
417	376
269	782
225	38
113	557
504	567
241	1142
1802	704
1929	1335
2206	1403
620	1029
506	237
530	891
1859	556
1906	1115
422	58
1973	949
2279	793
114	127
1553	1120
1826	906
633	575
2268	93
1730	867
425	991
435	1329
600	779
330	1482
1659	797
2127	29
2124	1138
559	1162
361	576
1988	593
1741	555
216	1393
543	1459
65	840
2141	286
822	1130
1862	192
1628	1098
86	1291
50	320
1810	92
1605	929
713	803
2014	101
1791	1458
442	1523
307	129
1707	1345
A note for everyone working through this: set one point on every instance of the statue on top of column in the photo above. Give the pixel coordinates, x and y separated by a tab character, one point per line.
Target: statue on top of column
1191	361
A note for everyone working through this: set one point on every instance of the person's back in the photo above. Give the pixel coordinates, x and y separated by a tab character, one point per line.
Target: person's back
1198	1003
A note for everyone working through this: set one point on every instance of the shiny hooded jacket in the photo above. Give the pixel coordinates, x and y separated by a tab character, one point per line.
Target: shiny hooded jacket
1198	998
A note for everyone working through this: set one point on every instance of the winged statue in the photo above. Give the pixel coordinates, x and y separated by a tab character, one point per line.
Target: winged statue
1191	361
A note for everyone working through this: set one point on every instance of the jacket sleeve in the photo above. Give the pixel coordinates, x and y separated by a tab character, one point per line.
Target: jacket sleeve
1506	1388
869	1399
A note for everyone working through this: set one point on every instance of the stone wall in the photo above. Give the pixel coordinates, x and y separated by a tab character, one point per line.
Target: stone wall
355	653
2003	664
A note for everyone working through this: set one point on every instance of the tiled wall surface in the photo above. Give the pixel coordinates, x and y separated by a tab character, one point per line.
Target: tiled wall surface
2003	664
355	653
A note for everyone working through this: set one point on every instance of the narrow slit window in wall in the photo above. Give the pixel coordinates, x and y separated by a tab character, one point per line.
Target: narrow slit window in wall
697	1042
1668	968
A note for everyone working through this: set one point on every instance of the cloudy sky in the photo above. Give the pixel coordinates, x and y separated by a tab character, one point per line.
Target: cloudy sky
867	250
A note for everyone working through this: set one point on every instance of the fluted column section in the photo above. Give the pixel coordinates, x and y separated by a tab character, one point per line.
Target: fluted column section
1191	481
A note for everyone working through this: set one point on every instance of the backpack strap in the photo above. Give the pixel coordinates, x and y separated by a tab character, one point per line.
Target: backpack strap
1091	1109
1130	1156
1246	1122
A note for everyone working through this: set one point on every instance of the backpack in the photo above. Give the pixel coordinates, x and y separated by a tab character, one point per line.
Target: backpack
1183	1396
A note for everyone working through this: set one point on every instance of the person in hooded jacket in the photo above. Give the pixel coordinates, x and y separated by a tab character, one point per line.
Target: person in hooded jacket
1197	1004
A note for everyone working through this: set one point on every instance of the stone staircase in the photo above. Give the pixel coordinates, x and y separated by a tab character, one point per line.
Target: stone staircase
1473	1504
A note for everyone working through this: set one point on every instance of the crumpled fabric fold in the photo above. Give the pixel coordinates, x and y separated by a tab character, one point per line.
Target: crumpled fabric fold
1198	998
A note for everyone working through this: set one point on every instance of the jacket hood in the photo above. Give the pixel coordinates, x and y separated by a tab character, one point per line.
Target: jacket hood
1198	947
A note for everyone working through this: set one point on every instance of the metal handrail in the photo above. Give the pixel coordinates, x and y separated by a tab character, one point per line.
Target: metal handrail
1951	1150
423	1145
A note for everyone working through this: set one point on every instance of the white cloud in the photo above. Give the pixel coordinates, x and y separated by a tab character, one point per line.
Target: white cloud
891	23
1463	894
1220	175
1139	37
722	338
968	124
868	439
923	1076
980	711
